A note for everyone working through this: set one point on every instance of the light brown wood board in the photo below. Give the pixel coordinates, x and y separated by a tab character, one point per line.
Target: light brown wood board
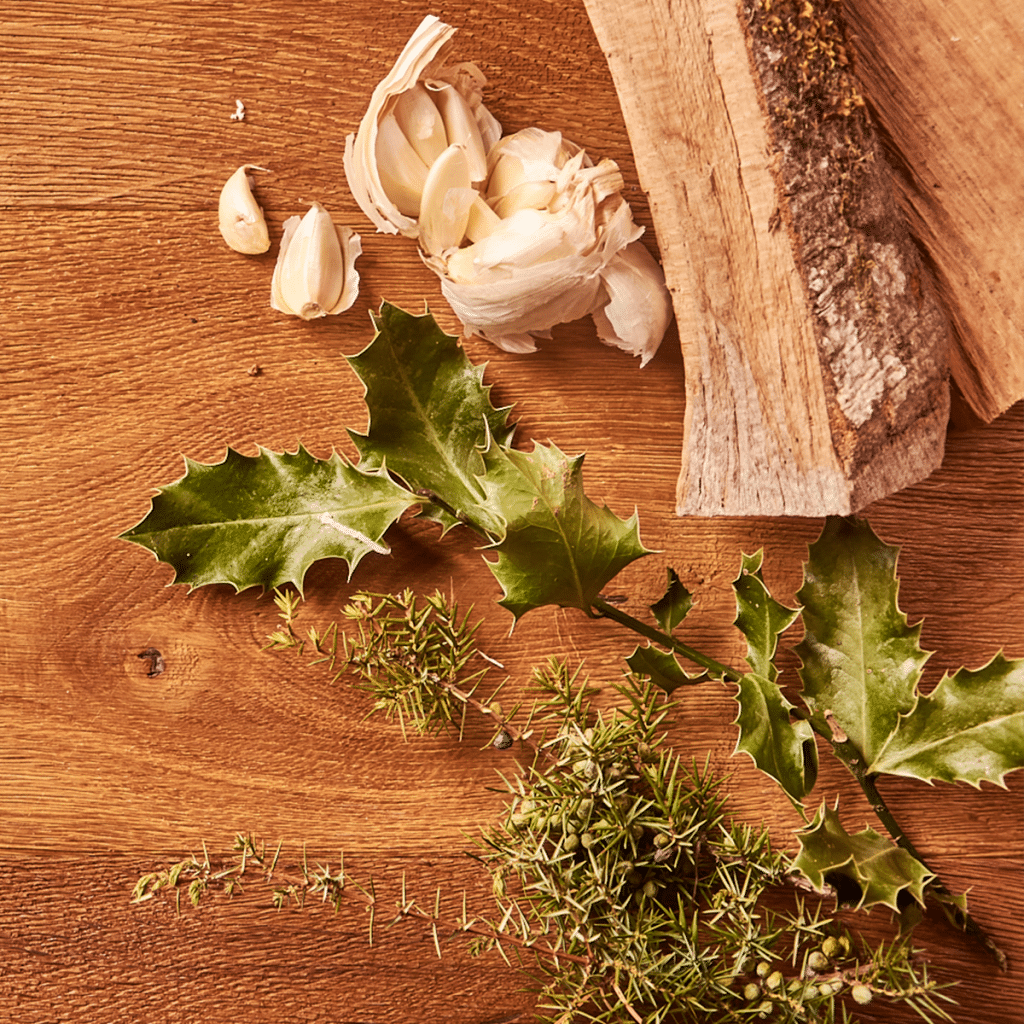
129	334
945	82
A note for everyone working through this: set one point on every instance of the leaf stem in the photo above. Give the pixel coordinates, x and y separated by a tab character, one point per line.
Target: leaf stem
715	668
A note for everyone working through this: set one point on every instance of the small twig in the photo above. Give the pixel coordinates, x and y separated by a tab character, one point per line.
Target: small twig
715	668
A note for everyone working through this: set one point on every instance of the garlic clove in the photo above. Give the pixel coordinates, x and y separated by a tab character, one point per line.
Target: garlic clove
421	123
315	272
506	174
446	202
402	172
460	126
240	218
529	195
483	221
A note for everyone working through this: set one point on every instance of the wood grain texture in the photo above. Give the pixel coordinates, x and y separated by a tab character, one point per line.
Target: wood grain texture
945	82
814	346
129	333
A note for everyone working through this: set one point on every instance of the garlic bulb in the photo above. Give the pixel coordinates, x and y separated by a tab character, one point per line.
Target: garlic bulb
241	220
524	231
315	273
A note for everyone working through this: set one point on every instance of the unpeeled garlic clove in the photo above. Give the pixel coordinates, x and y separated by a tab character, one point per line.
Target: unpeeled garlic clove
402	172
240	218
315	273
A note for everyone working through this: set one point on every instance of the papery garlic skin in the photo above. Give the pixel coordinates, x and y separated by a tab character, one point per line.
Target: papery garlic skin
387	159
315	273
567	247
240	218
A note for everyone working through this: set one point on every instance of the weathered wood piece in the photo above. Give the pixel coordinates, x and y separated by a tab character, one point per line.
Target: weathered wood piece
945	82
813	343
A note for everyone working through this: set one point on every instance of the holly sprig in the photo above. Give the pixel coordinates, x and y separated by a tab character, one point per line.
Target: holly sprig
436	444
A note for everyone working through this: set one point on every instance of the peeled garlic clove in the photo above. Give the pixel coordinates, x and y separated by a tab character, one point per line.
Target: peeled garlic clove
445	203
240	218
402	172
315	273
460	127
421	124
376	165
483	221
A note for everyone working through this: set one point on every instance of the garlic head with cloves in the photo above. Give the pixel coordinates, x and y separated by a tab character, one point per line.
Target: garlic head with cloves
315	273
240	218
524	231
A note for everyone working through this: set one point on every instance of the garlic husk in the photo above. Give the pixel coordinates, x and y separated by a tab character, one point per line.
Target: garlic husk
315	273
639	307
551	262
240	218
390	198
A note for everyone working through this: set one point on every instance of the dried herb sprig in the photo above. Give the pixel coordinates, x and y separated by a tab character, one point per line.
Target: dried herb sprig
618	875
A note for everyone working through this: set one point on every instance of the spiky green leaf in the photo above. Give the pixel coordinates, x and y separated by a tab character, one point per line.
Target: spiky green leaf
760	618
263	520
866	868
558	546
780	747
661	667
430	415
969	728
674	605
861	660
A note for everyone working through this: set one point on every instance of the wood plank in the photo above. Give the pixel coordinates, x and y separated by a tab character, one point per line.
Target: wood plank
944	81
813	344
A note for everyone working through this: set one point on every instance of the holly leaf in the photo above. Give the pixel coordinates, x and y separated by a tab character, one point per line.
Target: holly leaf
263	520
674	605
759	617
557	547
779	746
861	660
430	416
969	728
865	868
662	668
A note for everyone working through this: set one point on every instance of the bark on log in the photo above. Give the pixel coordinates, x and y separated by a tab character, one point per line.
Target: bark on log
814	346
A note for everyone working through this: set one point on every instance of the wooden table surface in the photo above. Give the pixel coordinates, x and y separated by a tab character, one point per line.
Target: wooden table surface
129	331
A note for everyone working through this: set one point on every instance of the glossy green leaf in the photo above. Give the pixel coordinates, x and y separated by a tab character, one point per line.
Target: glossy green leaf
263	520
865	865
558	547
968	729
780	747
674	605
861	660
430	416
759	617
662	668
